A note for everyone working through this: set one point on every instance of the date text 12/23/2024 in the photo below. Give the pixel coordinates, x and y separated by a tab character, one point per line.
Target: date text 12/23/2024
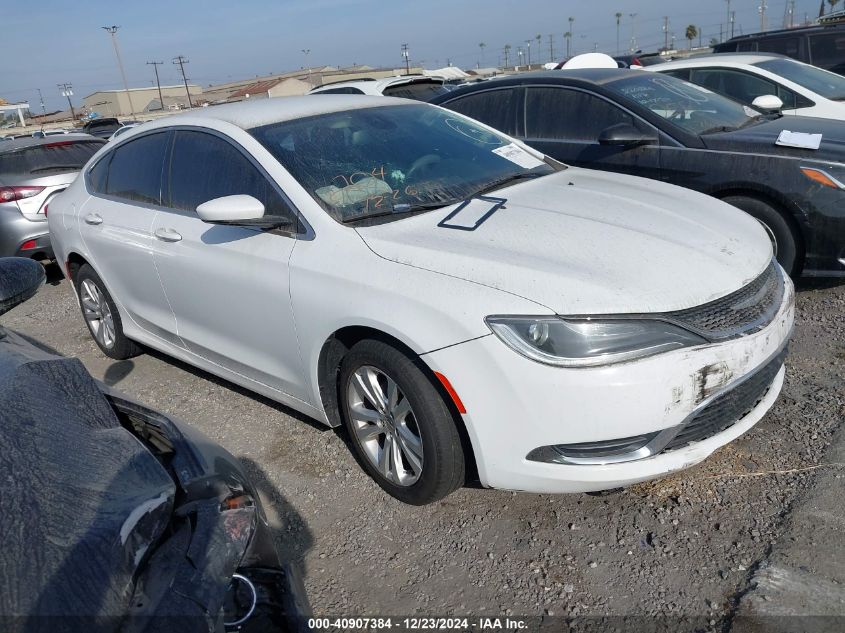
415	624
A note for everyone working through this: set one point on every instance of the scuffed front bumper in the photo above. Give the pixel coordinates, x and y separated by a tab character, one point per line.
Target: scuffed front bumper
516	406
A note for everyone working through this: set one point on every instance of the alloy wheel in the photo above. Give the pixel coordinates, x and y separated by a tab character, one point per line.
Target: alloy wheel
385	425
97	313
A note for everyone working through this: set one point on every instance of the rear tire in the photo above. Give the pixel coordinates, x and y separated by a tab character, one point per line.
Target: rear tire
402	430
784	240
101	315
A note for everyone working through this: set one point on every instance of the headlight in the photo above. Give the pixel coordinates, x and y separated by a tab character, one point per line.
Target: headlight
589	342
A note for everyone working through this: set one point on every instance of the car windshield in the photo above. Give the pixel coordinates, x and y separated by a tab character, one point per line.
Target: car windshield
822	82
693	108
395	160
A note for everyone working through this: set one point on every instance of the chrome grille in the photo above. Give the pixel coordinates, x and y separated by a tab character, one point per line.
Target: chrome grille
749	309
730	407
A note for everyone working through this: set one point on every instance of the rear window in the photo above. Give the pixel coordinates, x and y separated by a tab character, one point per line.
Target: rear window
51	158
418	90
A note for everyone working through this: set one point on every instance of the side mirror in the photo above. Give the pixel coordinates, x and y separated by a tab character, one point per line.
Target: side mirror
768	104
231	210
20	279
625	135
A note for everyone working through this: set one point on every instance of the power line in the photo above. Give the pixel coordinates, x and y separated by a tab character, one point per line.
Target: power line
67	91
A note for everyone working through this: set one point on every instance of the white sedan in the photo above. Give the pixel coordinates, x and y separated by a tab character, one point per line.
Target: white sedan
461	303
803	89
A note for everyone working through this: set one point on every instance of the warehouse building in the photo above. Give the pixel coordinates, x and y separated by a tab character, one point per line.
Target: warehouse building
117	102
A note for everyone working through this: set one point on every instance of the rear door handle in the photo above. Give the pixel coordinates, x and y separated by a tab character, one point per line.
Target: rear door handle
93	218
167	235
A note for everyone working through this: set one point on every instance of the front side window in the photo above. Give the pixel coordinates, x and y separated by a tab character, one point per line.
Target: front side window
493	107
570	115
742	86
693	108
204	167
134	171
394	160
822	82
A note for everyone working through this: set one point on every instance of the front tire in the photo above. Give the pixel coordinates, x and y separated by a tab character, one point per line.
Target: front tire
101	316
402	430
784	241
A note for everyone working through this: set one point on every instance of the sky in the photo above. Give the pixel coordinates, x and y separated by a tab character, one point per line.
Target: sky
56	42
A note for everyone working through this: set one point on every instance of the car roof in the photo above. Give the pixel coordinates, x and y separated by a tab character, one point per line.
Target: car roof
736	59
23	143
812	28
250	114
377	85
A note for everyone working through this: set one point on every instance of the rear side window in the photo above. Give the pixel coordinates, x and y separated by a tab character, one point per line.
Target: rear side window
493	107
419	91
134	172
789	46
51	158
827	50
569	115
204	167
346	90
683	73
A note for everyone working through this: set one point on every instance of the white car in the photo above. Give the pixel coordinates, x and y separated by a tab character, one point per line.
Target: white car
417	87
805	90
459	301
123	129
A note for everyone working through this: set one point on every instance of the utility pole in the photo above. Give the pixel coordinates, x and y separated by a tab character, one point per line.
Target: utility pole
728	28
762	8
41	99
306	51
406	55
181	61
733	22
529	53
67	91
633	32
551	48
112	30
665	32
571	26
155	66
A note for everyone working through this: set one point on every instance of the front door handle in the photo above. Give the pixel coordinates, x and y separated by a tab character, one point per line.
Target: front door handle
167	235
93	219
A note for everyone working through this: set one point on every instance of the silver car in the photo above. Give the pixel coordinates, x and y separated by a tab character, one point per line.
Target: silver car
32	172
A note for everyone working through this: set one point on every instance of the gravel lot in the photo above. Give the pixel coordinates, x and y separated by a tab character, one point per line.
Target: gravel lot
686	545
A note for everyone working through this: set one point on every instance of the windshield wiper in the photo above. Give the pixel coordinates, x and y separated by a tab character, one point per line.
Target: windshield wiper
504	182
719	128
401	209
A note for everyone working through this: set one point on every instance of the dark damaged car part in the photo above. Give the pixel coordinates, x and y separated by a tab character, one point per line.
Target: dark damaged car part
663	128
115	517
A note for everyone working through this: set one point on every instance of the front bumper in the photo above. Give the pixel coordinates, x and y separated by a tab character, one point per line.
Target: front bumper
515	406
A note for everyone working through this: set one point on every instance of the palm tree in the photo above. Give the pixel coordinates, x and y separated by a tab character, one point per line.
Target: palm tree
691	34
832	4
481	45
618	23
507	54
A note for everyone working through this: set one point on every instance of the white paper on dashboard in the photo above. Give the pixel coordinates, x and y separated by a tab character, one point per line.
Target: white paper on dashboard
515	154
799	139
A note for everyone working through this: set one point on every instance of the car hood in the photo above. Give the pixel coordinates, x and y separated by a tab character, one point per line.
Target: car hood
760	138
84	500
590	242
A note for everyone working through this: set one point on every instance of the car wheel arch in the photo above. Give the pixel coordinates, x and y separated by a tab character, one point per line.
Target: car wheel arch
74	262
328	375
793	214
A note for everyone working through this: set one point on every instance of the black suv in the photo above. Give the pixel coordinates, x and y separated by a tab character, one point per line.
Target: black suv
102	128
822	46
